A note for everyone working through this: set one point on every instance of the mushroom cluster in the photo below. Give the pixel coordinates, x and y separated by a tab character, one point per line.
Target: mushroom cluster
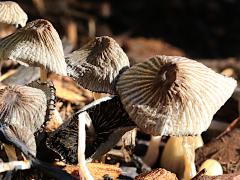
164	96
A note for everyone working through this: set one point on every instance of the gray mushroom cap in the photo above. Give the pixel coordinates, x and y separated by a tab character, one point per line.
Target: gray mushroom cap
23	106
36	44
96	65
12	13
170	95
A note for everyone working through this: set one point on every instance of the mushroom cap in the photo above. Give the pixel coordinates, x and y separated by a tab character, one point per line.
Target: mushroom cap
170	95
23	106
96	65
106	114
12	13
50	92
36	44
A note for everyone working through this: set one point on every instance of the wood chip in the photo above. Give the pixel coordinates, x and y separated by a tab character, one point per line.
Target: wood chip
98	170
67	89
157	174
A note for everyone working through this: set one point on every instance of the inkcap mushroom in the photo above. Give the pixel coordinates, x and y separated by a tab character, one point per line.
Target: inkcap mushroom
36	44
23	106
106	122
96	65
11	14
173	96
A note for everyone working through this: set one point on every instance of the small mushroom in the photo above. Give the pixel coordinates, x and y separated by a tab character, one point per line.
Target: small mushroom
11	14
173	96
212	167
106	123
36	44
97	64
23	106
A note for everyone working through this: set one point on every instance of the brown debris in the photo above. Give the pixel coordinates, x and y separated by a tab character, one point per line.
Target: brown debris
68	90
235	176
98	170
157	174
225	150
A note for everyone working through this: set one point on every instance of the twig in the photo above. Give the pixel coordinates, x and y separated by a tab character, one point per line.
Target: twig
200	173
232	126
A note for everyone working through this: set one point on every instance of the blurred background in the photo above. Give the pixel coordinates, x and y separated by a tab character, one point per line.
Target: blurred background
199	28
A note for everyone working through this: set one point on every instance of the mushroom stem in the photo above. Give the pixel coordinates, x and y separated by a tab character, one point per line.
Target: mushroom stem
153	150
43	74
189	157
83	169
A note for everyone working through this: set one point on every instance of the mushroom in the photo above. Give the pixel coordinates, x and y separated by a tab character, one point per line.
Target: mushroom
23	106
96	65
173	96
106	123
11	14
10	136
36	44
212	167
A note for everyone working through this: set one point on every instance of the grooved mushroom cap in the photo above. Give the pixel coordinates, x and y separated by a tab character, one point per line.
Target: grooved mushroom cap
170	95
12	13
97	64
107	116
23	106
36	44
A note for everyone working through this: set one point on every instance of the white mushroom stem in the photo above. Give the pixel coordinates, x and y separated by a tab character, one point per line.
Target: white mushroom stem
189	157
83	169
14	165
43	74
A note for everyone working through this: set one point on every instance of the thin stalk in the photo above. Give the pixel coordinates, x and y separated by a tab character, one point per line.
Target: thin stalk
83	169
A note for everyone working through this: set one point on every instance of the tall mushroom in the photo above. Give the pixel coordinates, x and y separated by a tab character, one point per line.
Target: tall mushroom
96	65
23	106
36	44
173	96
11	14
106	123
